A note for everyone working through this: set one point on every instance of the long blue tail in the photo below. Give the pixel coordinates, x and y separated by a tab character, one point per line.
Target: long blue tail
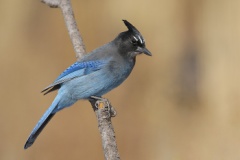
42	123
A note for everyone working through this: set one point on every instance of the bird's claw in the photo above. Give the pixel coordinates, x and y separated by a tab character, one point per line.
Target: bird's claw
103	103
100	103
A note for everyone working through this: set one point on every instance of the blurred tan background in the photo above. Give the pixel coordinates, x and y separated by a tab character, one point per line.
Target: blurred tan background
183	103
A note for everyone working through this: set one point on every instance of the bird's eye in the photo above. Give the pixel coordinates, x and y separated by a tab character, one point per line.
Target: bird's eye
134	41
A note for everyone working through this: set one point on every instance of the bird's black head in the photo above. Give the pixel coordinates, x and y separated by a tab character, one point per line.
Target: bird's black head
131	42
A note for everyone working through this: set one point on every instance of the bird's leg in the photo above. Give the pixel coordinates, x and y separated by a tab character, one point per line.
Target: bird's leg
100	102
103	103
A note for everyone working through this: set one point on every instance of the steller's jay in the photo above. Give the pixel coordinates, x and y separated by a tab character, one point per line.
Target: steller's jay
95	74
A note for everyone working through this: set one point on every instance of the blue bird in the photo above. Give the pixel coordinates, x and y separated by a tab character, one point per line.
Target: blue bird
95	74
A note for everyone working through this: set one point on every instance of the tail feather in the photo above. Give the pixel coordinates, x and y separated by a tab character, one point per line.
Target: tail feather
36	131
42	123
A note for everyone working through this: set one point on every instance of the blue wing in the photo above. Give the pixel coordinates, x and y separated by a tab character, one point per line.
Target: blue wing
76	70
84	67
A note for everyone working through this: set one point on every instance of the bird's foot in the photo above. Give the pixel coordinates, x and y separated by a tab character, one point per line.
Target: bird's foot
103	103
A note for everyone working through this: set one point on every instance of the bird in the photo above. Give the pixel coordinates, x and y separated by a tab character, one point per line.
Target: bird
94	75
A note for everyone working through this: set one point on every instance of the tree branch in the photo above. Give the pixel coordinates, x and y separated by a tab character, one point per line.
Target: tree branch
104	111
71	24
102	108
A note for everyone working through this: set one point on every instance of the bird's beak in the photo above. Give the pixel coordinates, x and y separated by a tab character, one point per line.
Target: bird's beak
144	50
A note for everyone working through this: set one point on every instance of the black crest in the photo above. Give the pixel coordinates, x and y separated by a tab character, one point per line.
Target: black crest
136	37
130	26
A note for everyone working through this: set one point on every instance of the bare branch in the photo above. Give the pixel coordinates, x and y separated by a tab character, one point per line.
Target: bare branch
104	111
52	3
71	24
